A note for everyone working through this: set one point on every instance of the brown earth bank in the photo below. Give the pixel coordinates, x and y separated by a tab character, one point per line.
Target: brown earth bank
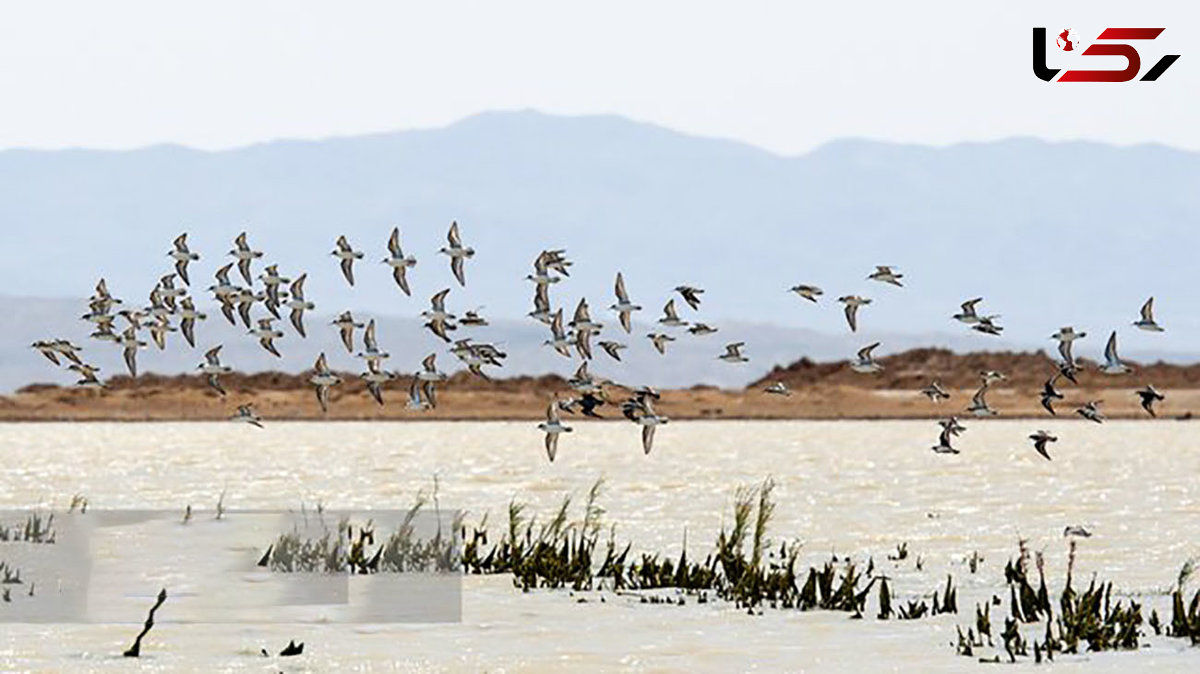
820	391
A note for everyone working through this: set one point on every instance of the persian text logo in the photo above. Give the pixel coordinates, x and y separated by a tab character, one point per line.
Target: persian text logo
1106	44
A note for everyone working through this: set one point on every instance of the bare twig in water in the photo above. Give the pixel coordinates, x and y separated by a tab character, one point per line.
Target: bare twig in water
136	649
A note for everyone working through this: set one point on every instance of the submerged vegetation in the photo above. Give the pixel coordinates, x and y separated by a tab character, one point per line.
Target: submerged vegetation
344	548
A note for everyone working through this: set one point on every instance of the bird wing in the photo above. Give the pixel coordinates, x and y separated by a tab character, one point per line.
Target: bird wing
622	296
323	397
215	383
626	322
851	316
430	363
348	269
398	273
296	290
428	388
1148	310
181	269
456	266
321	366
131	359
269	344
647	438
394	243
213	355
369	336
297	318
243	266
452	236
551	446
438	301
1110	349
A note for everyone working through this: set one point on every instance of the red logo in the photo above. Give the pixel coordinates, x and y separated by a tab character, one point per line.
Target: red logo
1105	45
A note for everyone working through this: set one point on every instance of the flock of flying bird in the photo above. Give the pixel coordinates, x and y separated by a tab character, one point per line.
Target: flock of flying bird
171	305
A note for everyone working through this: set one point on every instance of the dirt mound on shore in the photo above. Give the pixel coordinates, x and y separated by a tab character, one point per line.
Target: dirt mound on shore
1024	369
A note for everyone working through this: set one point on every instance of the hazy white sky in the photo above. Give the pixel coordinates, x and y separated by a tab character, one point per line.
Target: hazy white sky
786	76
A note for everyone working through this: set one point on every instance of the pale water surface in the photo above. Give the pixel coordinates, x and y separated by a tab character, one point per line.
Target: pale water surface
857	488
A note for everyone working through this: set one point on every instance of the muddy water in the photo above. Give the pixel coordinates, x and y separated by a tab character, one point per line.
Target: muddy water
845	488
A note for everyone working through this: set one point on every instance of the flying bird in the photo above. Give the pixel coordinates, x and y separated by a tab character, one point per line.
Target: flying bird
429	376
944	445
187	320
613	349
987	325
951	424
458	253
935	392
553	427
182	257
541	305
979	406
670	318
213	369
130	345
375	378
778	388
733	353
322	379
439	320
624	307
968	315
660	341
371	350
1066	337
158	331
558	337
398	261
700	329
852	303
1147	320
810	293
346	255
1112	362
345	324
87	376
1040	439
298	304
885	274
865	364
46	349
1050	394
690	295
1091	412
244	255
246	414
1150	395
267	335
583	318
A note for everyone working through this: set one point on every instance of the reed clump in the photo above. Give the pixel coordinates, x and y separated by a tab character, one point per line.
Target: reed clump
35	529
1082	621
353	549
744	567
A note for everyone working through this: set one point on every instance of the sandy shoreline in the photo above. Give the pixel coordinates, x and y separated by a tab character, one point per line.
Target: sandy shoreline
815	402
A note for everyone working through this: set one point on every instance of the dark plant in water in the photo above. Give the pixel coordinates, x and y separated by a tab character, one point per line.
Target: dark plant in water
1087	621
743	568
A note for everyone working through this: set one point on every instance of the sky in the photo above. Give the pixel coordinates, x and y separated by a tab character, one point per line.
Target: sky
785	76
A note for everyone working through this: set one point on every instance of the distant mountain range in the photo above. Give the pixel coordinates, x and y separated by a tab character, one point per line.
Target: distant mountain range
1049	233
